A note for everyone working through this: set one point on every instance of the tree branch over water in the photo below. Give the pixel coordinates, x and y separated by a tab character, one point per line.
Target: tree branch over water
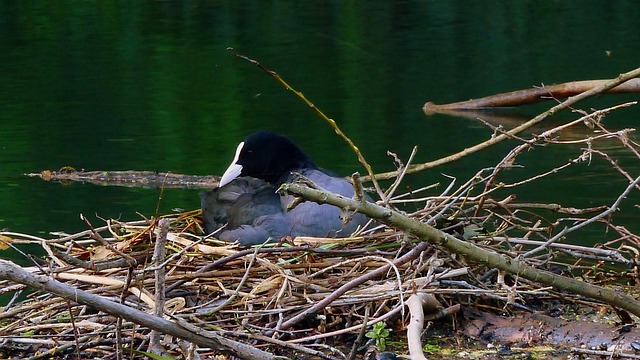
471	251
536	94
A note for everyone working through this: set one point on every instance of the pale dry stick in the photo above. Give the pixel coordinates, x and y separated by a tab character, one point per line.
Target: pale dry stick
441	198
507	162
176	255
173	257
345	262
112	231
60	348
585	117
89	232
51	255
614	207
499	130
159	252
604	354
469	185
389	263
13	235
591	139
280	343
613	255
473	149
237	255
350	329
419	190
319	112
582	255
96	235
416	324
546	173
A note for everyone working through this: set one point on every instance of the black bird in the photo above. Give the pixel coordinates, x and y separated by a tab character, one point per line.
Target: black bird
247	203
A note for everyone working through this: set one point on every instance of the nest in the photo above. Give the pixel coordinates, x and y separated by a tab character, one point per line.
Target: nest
244	294
313	298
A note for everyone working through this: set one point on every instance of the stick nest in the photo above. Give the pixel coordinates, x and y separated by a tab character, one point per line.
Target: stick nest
246	293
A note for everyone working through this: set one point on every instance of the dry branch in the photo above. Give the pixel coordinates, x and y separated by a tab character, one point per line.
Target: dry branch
528	96
129	178
416	324
434	236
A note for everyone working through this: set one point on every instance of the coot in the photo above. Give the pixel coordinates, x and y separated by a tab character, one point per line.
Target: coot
250	209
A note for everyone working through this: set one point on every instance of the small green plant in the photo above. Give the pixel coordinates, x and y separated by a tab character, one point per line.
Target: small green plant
430	348
63	317
380	334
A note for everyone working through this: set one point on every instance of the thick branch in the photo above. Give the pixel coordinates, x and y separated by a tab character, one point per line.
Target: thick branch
528	96
467	249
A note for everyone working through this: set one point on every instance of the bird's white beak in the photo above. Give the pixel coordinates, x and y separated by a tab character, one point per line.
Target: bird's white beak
234	170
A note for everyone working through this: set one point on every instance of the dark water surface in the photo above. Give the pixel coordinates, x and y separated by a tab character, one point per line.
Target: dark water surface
150	86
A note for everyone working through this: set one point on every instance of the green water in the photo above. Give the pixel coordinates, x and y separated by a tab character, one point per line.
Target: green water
149	85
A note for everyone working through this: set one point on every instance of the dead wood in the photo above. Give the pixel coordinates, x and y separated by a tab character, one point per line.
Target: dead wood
557	331
129	178
529	96
434	236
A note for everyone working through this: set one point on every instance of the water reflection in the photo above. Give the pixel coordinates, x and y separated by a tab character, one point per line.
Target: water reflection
150	86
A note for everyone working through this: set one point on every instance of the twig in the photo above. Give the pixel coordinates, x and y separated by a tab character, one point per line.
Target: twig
235	293
402	172
416	324
280	343
361	334
331	122
414	253
155	346
371	322
603	353
614	207
96	236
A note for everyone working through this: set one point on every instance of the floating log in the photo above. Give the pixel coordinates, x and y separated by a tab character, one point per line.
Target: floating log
530	96
129	178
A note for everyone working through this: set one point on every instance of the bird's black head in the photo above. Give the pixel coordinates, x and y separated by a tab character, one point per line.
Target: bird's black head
267	156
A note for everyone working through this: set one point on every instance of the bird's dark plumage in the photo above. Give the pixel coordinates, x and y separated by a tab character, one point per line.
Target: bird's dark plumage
253	212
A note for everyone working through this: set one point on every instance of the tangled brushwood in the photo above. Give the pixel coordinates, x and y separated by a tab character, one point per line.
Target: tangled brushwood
126	289
162	287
